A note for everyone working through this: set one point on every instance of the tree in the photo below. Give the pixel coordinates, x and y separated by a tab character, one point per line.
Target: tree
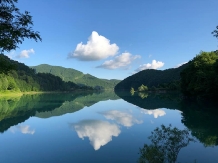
5	65
14	26
166	143
215	32
132	91
142	88
199	78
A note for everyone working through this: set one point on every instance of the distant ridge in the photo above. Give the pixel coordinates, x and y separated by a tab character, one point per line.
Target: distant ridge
72	75
150	78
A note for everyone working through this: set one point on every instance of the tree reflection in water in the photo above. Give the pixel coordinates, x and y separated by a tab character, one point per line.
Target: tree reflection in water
166	143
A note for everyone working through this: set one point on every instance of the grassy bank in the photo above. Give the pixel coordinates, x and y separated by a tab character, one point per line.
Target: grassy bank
16	93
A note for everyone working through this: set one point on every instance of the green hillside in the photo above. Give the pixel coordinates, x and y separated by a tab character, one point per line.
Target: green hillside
20	78
72	75
151	78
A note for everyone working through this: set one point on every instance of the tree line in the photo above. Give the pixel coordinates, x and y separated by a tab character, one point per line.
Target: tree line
22	78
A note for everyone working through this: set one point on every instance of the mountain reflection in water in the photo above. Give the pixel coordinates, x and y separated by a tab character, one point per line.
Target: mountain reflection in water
50	128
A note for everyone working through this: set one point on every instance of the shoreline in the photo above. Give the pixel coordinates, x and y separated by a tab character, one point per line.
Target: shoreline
19	94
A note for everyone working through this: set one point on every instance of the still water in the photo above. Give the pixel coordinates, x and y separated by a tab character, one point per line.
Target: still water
105	127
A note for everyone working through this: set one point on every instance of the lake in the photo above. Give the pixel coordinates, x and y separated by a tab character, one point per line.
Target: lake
106	127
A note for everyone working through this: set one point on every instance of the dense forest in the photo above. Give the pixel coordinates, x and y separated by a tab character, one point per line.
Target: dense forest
198	78
75	76
152	79
19	77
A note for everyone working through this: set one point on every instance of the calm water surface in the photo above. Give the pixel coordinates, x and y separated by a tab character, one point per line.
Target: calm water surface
102	127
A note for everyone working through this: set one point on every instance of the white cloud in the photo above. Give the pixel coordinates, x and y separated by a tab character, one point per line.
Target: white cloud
122	60
157	112
154	65
23	129
25	53
98	47
98	132
180	64
122	118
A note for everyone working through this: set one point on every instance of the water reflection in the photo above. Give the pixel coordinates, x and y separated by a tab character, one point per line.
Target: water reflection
99	132
17	110
143	94
200	117
202	120
166	143
157	112
152	101
123	118
24	129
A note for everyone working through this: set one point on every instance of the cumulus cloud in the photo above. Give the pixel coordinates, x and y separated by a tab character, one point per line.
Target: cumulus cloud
154	65
122	118
25	53
98	132
25	129
180	64
122	60
98	47
157	112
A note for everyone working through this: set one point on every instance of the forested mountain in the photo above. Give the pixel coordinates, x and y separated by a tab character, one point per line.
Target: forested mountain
200	77
22	78
196	79
72	75
151	78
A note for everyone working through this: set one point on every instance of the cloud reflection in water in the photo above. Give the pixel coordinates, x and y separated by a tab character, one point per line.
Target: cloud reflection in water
24	129
123	118
157	112
99	132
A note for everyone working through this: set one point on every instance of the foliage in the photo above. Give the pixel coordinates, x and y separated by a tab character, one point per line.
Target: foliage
215	32
132	91
153	78
200	77
72	75
142	88
25	79
166	143
14	26
5	66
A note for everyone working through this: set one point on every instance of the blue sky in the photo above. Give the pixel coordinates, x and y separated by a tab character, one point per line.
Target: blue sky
115	38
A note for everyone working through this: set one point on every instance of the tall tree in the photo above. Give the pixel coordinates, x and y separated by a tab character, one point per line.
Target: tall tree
14	26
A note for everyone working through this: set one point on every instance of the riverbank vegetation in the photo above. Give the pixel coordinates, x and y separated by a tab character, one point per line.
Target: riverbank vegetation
200	77
196	79
24	79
